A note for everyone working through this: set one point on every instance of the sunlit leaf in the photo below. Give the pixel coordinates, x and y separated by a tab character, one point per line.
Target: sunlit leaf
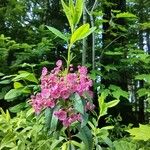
57	33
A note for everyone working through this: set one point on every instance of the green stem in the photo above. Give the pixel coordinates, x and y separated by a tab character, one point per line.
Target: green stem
69	57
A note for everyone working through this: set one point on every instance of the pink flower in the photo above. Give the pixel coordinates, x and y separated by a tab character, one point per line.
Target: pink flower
59	63
66	122
50	103
45	93
90	106
44	71
56	86
82	70
65	94
61	114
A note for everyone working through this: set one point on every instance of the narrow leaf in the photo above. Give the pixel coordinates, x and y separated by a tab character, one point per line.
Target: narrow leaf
112	103
57	33
79	33
86	136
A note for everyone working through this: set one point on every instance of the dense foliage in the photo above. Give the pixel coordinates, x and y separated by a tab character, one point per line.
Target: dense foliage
104	103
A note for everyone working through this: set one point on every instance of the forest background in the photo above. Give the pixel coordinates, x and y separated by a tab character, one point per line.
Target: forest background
116	53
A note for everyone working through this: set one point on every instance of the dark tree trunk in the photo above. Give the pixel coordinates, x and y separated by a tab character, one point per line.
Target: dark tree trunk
141	117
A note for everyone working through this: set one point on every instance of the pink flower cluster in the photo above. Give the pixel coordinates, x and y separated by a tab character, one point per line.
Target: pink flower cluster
66	119
58	86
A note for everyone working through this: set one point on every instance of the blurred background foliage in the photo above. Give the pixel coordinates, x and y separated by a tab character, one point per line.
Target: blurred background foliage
117	53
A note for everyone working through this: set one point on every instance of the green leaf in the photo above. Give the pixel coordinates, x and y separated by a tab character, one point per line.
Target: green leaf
7	141
55	143
112	103
145	25
85	118
124	145
58	33
145	77
141	133
76	143
117	92
86	136
24	75
48	117
78	11
126	15
102	104
82	32
13	93
143	92
68	15
22	146
78	103
17	108
17	85
1	74
5	81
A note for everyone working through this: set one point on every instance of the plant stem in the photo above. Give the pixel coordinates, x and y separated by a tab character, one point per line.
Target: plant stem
69	57
69	134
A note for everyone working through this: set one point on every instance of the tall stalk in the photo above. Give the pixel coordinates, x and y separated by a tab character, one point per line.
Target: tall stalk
84	46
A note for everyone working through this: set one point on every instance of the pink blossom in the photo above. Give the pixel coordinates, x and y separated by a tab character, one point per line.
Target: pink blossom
90	106
57	86
66	122
61	114
65	94
44	71
59	63
45	93
50	103
82	70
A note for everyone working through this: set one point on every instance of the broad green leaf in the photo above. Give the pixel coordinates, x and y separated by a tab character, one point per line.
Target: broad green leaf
86	136
55	143
112	103
48	117
57	33
17	108
145	77
5	81
64	146
17	85
103	110
124	145
13	93
1	74
21	75
143	92
145	25
78	103
24	75
29	112
101	102
7	140
76	143
82	32
54	122
85	118
126	15
141	133
79	33
22	146
117	92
